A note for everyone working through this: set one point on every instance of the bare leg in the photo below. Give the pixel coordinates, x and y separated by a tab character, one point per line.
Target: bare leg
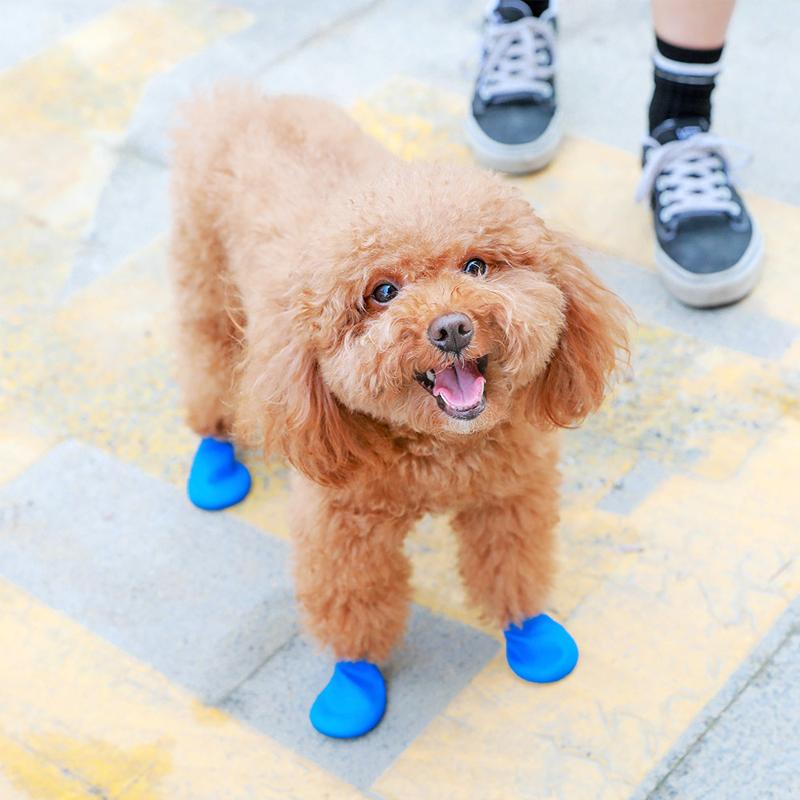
696	24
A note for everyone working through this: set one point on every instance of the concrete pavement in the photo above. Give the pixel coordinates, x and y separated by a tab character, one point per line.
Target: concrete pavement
151	651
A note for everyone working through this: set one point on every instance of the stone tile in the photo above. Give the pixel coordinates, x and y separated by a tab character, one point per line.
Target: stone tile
438	659
207	601
83	720
276	30
133	209
203	598
744	743
744	327
708	575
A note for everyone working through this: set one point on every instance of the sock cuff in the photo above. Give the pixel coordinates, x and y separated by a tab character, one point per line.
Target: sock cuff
686	65
688	55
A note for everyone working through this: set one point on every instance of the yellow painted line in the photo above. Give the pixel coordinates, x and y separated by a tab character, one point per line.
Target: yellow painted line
79	717
65	106
659	637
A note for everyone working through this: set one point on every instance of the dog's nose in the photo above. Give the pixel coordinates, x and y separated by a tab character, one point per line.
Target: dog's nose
451	332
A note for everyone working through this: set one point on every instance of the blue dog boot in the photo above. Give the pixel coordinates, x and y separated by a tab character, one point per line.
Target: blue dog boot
541	651
352	703
217	480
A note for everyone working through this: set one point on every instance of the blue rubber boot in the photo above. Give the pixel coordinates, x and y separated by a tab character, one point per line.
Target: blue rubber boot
217	480
541	651
352	703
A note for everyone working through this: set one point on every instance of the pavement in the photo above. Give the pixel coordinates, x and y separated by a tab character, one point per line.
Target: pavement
151	650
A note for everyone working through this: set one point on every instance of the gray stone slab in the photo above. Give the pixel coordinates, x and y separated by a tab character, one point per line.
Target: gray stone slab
745	743
437	660
202	597
278	29
207	600
634	487
434	43
132	210
742	327
753	749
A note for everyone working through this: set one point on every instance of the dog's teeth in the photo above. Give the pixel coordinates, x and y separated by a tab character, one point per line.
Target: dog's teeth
431	375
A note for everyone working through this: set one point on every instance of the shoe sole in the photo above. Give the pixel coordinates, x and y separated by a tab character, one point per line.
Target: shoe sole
716	288
516	159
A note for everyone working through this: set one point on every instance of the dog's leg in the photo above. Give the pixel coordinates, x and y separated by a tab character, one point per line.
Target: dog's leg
352	575
207	341
506	560
207	349
352	581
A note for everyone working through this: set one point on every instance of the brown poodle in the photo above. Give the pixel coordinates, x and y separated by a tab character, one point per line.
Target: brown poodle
408	336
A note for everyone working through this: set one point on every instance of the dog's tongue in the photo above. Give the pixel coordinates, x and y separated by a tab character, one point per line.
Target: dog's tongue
460	386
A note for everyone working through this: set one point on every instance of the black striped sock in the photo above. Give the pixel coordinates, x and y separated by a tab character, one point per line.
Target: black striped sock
684	80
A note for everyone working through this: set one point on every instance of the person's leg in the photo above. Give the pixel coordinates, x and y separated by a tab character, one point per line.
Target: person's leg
708	249
692	24
513	123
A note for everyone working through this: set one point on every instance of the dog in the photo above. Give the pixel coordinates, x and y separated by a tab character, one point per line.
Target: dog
409	336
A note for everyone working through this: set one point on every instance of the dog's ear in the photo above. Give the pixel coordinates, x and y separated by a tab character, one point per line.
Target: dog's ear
283	396
593	338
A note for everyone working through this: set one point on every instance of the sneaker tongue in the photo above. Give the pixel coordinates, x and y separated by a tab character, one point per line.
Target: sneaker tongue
511	10
461	385
671	130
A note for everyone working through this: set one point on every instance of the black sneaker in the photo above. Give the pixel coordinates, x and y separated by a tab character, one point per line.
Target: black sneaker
514	124
708	248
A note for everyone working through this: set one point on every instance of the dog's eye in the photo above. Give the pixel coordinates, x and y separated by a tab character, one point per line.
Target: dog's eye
384	293
475	266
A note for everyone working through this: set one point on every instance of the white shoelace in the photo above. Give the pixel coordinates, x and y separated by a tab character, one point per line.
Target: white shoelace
520	57
689	175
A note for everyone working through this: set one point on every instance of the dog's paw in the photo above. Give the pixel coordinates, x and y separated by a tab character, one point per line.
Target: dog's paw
352	703
541	650
217	480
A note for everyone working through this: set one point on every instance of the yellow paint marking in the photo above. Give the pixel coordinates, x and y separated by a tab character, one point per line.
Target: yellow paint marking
726	453
659	636
36	262
55	766
81	717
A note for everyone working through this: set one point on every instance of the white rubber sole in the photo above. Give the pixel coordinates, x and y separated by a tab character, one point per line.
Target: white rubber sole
716	288
516	159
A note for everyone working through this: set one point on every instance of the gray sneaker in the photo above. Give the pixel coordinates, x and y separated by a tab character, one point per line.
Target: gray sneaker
708	249
514	124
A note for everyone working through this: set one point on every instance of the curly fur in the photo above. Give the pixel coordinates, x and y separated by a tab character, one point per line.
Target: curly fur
286	216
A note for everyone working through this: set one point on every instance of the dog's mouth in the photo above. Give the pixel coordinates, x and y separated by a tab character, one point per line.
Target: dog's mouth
460	388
